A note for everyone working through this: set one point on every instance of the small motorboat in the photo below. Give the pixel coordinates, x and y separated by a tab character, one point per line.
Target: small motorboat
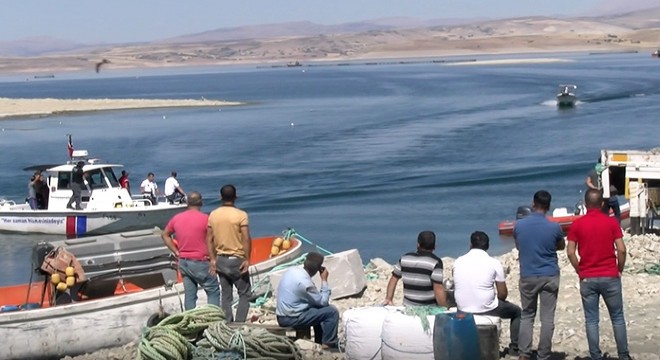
656	53
106	206
566	96
131	280
562	216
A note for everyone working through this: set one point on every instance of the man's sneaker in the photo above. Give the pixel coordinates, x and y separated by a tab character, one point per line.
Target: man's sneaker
513	353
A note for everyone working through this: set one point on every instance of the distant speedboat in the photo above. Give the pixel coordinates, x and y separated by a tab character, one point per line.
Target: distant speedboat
294	64
656	53
566	96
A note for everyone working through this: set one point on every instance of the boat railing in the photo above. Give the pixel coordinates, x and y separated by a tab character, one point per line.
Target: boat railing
7	203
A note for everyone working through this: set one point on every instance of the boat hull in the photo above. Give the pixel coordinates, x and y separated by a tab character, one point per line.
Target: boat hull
505	227
566	100
119	316
84	223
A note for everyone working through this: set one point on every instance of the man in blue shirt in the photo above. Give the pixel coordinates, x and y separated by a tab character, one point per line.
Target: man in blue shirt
301	304
537	240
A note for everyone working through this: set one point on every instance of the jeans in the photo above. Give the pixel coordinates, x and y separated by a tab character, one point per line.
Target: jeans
196	273
507	310
33	203
591	289
228	268
531	289
613	203
325	321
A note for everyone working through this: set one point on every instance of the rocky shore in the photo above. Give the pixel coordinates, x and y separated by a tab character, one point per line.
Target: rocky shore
641	297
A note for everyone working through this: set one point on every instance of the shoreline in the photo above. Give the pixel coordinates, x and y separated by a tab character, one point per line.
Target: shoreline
640	295
27	108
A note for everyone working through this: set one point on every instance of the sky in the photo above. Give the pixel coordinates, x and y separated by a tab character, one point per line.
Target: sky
115	21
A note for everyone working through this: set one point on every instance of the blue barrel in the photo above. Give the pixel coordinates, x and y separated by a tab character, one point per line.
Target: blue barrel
455	337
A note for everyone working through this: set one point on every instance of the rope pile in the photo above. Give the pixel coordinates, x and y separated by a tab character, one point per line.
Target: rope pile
171	339
168	340
251	343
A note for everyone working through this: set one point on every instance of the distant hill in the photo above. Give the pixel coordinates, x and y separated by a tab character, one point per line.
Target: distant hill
36	46
307	42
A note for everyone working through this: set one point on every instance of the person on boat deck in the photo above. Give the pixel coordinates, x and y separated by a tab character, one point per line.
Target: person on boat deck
301	304
189	228
230	245
173	190
477	276
537	240
42	191
76	185
32	191
422	275
593	182
149	188
124	182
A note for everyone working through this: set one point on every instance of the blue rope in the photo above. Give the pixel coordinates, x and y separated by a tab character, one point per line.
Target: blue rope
290	232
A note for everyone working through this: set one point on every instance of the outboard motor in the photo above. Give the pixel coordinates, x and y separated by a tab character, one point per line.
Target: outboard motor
39	253
523	212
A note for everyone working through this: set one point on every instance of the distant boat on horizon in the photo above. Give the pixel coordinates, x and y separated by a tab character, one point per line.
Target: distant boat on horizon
293	64
49	76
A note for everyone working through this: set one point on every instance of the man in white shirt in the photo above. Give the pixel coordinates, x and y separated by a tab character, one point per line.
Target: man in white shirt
173	191
476	277
149	188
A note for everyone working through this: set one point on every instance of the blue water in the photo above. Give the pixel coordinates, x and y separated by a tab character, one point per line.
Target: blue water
375	154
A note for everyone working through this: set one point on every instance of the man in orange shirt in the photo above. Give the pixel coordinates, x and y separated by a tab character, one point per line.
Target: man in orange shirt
229	243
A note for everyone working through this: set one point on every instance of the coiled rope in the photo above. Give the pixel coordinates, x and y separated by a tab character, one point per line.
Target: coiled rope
252	343
168	339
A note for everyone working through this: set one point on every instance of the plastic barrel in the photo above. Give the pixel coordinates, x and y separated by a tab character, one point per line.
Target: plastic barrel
455	337
489	339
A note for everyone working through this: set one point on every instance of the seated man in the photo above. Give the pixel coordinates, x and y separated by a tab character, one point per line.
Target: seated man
476	276
301	304
173	191
422	276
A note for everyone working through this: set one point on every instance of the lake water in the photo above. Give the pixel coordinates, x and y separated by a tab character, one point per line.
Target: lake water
350	156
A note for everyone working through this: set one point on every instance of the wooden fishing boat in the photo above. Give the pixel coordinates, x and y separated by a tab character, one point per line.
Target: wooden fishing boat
131	278
562	217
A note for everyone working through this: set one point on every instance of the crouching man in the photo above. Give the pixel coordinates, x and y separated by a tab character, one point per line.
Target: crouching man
301	304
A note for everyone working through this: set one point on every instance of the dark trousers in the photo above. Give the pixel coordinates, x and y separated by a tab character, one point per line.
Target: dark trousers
76	196
228	268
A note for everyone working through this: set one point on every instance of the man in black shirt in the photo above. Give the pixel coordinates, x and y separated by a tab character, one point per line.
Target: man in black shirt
76	186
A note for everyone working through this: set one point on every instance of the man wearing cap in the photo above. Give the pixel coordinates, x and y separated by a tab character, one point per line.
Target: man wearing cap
76	185
229	242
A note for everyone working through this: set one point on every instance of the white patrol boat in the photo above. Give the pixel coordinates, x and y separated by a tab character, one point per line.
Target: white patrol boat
106	206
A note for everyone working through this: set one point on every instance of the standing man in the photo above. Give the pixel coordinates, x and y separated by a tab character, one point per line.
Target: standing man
476	277
32	190
229	243
149	188
594	236
172	189
124	182
593	182
301	304
422	276
76	185
537	240
189	227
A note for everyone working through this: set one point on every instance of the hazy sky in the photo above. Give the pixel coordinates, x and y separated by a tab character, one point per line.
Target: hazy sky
93	21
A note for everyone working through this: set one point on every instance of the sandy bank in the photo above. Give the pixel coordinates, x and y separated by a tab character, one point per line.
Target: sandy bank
42	107
509	61
641	300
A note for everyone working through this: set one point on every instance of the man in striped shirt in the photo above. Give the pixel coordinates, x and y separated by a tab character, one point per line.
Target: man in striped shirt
421	272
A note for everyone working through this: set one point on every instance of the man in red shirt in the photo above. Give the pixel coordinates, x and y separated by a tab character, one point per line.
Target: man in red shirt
596	236
124	182
189	228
